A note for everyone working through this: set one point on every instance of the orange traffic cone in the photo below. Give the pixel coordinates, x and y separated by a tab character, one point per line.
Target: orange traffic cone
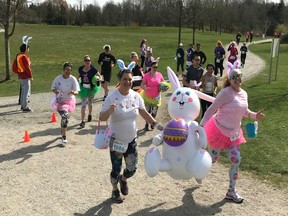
26	137
53	118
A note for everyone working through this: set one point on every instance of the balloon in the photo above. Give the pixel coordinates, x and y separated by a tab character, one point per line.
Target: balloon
152	162
176	132
201	164
164	86
183	156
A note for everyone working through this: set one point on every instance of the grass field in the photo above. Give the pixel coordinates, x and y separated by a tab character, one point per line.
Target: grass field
267	155
51	46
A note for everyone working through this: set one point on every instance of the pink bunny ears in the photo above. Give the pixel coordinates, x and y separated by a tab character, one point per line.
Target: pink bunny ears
231	67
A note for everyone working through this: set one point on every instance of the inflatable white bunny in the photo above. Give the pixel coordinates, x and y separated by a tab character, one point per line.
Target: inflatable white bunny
183	153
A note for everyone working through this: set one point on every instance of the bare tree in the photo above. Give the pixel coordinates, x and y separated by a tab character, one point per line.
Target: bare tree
194	11
8	15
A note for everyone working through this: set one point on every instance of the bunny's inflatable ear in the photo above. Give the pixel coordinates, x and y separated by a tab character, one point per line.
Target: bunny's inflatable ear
121	64
236	64
131	65
205	96
174	81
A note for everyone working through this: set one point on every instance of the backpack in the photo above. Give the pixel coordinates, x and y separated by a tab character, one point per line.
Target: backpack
15	67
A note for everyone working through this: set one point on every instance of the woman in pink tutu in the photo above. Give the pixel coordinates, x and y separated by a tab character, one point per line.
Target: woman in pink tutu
223	129
64	86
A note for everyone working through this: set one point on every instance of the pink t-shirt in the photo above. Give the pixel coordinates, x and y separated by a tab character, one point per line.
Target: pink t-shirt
153	83
230	106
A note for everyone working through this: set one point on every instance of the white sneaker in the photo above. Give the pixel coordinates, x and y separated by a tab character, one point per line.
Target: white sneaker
64	140
233	195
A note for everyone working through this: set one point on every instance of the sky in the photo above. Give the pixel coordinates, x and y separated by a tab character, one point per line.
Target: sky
102	2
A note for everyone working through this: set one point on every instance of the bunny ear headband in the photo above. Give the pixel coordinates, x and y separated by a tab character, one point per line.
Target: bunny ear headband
122	65
231	67
25	39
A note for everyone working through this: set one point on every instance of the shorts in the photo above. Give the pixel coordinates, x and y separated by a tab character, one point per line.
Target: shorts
106	76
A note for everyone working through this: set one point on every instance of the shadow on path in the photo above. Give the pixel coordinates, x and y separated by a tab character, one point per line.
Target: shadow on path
189	207
27	152
103	209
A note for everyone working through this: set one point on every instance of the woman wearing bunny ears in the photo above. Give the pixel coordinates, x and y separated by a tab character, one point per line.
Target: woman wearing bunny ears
123	106
151	92
223	129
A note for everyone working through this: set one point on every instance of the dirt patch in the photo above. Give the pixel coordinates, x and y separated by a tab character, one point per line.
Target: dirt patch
43	178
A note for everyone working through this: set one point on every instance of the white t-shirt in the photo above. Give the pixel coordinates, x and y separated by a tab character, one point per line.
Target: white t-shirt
123	120
65	85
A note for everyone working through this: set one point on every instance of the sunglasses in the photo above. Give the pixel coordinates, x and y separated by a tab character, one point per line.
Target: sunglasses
154	67
235	76
87	60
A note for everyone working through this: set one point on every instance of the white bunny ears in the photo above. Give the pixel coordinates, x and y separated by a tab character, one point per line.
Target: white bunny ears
107	46
231	67
25	39
122	65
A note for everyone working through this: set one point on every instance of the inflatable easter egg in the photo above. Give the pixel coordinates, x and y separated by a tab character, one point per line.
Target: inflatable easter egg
164	86
176	132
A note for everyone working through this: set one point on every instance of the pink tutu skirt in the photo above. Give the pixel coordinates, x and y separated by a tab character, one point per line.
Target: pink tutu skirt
69	104
217	140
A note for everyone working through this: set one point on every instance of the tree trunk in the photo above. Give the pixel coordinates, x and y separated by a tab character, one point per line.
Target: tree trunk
7	52
193	33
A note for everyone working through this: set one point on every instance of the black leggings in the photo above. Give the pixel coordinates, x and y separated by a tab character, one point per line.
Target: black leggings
131	160
205	104
142	61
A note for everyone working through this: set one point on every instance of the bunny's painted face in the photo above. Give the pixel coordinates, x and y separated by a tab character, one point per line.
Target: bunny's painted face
185	104
182	97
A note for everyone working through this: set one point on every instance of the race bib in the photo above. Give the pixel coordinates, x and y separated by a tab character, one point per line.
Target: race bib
232	57
192	82
209	86
136	78
235	137
157	98
86	85
118	146
218	60
243	52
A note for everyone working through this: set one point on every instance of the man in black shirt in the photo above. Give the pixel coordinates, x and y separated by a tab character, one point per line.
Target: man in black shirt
107	62
192	75
200	53
180	58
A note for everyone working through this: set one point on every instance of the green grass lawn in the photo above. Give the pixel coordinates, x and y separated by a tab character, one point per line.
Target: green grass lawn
51	46
267	155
